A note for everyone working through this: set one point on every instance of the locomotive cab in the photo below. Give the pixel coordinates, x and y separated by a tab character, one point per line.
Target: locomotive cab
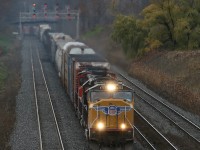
110	112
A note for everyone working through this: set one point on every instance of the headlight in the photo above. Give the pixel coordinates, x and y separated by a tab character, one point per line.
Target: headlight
111	87
100	126
123	126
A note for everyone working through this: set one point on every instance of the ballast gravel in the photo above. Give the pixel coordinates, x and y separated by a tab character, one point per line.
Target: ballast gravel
25	134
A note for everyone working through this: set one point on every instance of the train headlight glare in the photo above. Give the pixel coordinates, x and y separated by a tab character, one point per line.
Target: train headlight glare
123	126
111	87
100	126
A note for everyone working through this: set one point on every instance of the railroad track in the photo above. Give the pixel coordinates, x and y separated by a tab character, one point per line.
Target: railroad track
150	132
48	129
188	129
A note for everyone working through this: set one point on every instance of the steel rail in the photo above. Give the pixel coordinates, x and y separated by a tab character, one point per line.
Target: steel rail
144	138
169	119
50	100
156	130
36	101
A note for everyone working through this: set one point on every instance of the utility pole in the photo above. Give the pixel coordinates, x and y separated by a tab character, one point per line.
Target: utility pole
78	24
20	25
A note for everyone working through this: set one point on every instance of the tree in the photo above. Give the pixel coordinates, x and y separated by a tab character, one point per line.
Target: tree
160	21
127	33
173	23
188	25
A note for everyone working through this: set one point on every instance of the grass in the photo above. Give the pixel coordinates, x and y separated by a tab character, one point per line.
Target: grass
5	43
95	31
9	84
172	78
3	75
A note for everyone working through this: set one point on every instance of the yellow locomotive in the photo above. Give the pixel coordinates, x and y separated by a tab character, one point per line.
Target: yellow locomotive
110	112
104	105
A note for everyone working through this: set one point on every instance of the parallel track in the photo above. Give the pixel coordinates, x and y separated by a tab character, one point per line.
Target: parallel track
189	128
144	138
49	132
155	134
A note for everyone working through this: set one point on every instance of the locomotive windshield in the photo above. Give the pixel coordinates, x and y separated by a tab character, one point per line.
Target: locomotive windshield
123	95
98	95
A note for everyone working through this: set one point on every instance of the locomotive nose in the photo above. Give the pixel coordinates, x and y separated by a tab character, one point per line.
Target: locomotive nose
118	116
111	120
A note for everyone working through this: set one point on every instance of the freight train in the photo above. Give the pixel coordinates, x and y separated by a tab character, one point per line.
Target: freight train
103	104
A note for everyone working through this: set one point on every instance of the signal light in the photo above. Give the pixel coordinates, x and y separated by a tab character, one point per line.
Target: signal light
69	17
57	7
45	15
45	7
57	16
34	16
34	8
68	13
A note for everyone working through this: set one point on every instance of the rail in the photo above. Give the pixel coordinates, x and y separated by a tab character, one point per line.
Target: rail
50	101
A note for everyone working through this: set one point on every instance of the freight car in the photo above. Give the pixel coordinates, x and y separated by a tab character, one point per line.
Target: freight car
57	41
104	105
42	29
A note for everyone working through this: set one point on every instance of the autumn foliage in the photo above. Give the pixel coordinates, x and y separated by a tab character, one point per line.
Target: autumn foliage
164	24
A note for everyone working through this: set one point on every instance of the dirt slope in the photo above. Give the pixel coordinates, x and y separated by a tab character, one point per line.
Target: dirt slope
175	75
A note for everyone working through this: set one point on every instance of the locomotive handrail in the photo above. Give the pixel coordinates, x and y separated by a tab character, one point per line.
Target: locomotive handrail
95	118
129	122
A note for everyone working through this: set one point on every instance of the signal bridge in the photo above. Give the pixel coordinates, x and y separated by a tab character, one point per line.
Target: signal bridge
49	17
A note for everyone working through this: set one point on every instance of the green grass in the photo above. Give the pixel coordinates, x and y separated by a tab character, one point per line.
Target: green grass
95	31
5	43
3	75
